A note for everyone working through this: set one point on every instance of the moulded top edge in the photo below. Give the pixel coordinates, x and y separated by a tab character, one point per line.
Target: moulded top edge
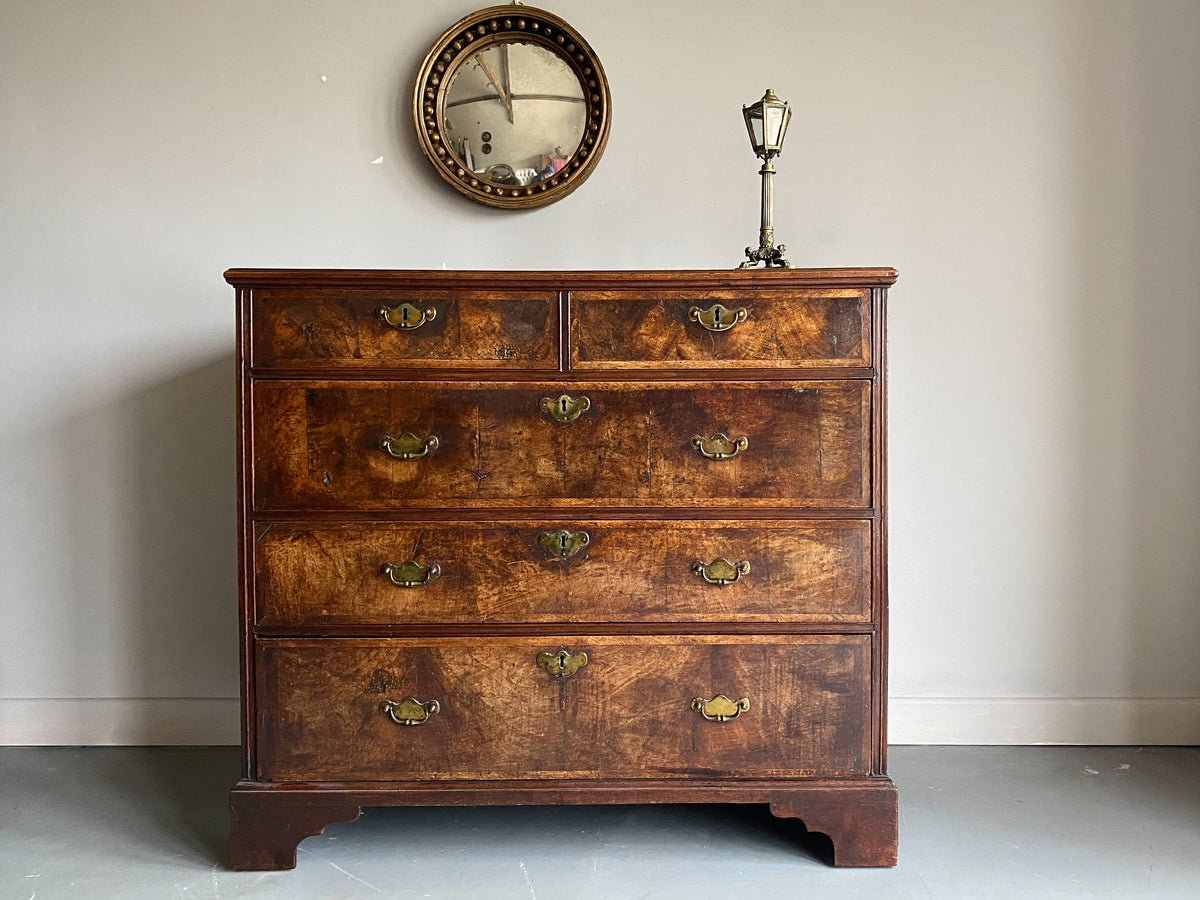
562	280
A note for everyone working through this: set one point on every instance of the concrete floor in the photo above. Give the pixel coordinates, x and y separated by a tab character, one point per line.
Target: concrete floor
975	822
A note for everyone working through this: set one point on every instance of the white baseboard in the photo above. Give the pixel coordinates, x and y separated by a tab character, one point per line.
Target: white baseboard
141	721
1147	721
911	720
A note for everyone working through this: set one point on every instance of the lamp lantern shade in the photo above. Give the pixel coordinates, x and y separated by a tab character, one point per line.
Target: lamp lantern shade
767	122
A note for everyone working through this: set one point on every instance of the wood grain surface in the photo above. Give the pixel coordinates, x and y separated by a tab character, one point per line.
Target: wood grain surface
626	713
317	445
642	329
343	329
497	572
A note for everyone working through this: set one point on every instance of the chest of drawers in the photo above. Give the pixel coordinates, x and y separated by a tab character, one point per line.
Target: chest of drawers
562	538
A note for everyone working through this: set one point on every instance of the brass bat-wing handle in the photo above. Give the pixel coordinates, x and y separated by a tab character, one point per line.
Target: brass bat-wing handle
720	708
411	573
408	445
721	571
720	445
410	710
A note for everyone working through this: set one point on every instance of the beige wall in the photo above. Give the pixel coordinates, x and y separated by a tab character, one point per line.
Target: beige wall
1031	168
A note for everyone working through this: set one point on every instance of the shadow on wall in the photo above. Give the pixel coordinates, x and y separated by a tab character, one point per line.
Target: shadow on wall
159	514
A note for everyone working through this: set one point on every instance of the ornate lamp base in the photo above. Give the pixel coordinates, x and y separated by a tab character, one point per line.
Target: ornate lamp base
768	255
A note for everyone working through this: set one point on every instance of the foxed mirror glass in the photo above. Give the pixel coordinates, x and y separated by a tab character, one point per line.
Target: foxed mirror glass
512	107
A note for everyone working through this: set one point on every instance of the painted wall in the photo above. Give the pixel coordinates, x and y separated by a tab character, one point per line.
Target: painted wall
1031	168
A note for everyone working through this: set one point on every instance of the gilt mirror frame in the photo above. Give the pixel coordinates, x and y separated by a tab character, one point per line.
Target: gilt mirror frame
464	41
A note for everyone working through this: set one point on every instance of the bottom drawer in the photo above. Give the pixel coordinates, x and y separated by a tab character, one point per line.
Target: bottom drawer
333	709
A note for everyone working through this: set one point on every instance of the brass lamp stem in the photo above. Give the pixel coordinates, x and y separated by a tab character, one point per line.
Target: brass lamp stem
767	252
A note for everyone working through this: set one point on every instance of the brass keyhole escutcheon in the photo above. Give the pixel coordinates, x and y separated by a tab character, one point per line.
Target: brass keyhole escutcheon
718	317
565	408
562	663
563	544
406	316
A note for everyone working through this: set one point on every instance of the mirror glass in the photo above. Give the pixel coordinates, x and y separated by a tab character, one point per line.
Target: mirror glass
514	113
512	107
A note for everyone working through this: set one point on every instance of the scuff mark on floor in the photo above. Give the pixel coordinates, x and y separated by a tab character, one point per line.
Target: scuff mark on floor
528	881
355	877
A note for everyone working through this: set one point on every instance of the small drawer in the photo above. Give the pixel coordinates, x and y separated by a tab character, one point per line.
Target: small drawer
319	445
457	573
347	329
720	329
574	706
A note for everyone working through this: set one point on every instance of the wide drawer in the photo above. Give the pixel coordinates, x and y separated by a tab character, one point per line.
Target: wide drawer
331	709
320	445
563	571
344	329
767	329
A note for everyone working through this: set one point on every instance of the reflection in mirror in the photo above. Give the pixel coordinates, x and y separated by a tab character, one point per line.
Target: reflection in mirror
512	107
529	104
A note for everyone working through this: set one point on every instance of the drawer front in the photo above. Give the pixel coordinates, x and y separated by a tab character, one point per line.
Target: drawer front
627	713
563	571
779	329
318	445
436	328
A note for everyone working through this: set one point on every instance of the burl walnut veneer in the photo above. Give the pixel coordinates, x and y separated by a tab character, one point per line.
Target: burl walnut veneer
562	537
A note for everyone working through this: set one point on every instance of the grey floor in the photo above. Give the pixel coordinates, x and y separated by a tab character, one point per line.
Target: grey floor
975	822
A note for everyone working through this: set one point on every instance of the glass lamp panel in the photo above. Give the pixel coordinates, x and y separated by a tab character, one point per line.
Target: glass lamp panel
754	121
774	126
787	117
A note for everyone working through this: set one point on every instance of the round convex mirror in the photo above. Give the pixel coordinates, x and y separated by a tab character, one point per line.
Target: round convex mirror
512	107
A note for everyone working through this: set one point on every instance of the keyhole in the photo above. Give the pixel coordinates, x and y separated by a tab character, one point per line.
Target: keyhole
562	542
562	404
404	313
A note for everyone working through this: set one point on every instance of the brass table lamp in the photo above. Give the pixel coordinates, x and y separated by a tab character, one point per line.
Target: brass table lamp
767	122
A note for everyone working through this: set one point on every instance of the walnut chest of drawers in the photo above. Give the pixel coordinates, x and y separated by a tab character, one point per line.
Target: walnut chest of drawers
562	537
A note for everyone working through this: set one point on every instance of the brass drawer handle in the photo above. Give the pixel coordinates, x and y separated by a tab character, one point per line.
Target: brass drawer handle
411	574
720	445
717	317
563	544
408	445
721	571
406	317
410	710
720	708
562	663
565	408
